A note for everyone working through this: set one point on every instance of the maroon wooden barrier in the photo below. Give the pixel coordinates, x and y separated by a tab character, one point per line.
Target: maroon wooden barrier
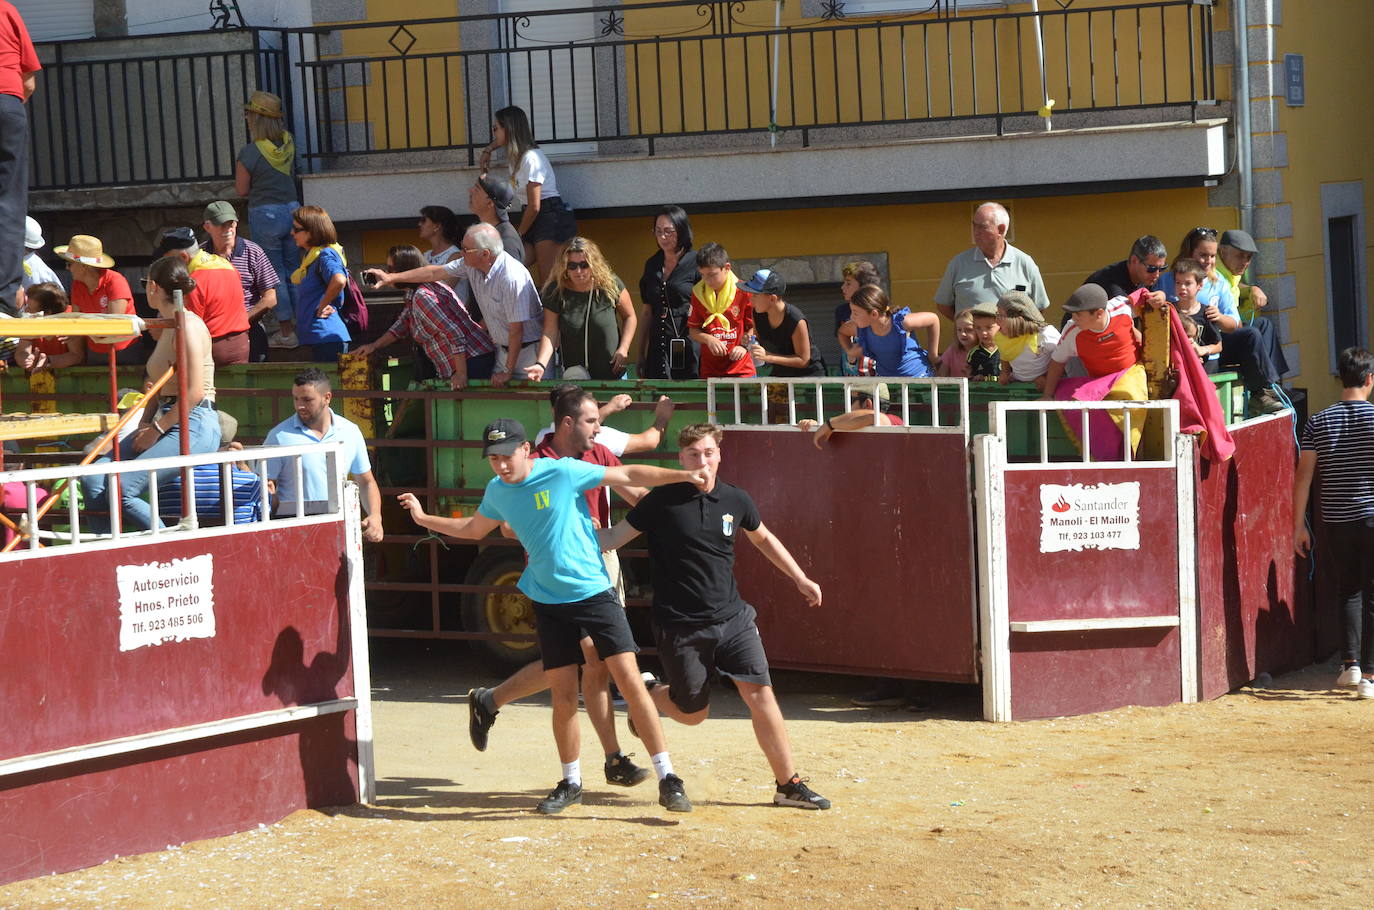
281	638
1060	673
882	522
1254	615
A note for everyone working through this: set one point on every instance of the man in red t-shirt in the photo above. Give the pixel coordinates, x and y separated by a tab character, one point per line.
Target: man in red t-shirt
218	297
18	66
722	317
576	422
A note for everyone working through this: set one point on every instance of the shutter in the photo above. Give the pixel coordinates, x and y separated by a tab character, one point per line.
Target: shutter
57	20
554	84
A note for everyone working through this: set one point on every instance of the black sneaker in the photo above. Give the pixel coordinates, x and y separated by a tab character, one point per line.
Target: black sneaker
563	796
479	719
798	795
671	796
624	773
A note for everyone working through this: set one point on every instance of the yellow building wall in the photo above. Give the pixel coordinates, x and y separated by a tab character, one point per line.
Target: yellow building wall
1068	236
680	78
1329	141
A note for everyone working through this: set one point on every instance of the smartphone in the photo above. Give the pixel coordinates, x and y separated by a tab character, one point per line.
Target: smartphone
677	353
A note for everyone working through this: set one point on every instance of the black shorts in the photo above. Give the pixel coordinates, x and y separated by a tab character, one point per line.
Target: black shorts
560	628
555	221
693	656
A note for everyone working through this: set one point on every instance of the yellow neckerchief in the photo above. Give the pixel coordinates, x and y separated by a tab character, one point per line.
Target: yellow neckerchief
1012	348
279	156
310	257
28	269
716	302
204	260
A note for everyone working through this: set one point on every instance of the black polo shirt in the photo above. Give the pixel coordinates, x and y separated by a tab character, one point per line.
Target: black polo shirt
691	538
1115	279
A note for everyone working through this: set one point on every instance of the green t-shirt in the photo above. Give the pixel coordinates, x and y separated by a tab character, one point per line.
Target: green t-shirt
587	327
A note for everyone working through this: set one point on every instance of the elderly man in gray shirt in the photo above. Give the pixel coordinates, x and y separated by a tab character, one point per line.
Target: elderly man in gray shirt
503	289
990	269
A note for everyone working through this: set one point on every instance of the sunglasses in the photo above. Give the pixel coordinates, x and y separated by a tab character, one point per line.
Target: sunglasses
578	265
1205	232
1156	269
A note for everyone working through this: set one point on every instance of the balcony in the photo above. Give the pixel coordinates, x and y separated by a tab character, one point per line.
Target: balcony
670	99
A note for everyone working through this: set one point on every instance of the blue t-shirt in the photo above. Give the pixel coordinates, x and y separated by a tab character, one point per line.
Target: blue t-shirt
550	516
310	292
1213	291
314	468
897	353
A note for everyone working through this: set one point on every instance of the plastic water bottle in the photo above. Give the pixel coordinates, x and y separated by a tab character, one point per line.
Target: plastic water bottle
758	359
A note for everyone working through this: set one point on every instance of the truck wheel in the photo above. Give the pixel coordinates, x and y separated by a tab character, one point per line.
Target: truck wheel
504	613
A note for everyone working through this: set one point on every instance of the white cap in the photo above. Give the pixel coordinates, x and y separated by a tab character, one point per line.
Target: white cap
33	235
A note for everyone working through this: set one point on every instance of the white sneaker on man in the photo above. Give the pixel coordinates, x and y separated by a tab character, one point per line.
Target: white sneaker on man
1365	688
278	340
1350	677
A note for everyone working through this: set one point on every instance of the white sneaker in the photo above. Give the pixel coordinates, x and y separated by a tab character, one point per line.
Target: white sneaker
278	340
1350	677
1365	688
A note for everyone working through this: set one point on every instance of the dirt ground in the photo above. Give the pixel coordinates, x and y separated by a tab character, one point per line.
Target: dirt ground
1257	799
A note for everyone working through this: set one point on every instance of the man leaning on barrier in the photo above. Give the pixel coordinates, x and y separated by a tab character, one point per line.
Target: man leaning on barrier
315	422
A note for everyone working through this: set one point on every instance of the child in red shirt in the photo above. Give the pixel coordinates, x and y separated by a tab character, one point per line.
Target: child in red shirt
722	317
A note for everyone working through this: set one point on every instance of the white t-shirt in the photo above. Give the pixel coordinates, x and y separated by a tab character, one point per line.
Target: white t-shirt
443	257
610	437
534	168
1031	365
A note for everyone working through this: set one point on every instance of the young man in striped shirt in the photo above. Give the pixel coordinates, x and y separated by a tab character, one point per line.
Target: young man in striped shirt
1338	442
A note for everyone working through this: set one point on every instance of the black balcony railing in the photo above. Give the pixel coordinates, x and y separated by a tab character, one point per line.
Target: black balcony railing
625	78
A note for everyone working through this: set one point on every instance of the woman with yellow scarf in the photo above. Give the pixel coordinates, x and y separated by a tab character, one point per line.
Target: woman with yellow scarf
266	175
320	282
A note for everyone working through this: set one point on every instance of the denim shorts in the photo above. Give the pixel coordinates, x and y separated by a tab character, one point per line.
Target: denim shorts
555	222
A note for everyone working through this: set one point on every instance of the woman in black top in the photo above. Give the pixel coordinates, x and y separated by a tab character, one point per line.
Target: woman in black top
665	351
784	335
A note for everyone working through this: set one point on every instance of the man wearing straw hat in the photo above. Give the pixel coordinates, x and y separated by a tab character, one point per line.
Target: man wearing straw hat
18	66
98	288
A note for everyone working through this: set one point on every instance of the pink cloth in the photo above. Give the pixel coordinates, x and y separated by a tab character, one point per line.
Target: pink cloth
1104	435
14	500
1198	409
955	361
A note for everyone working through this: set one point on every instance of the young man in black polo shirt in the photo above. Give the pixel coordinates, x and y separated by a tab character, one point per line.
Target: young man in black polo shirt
701	625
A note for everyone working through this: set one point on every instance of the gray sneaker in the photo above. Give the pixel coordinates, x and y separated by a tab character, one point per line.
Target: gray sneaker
798	795
563	796
672	796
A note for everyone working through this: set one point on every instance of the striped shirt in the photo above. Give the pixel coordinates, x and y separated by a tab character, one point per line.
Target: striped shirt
439	323
256	273
1343	438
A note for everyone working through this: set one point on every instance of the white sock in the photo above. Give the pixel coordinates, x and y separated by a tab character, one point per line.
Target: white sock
572	771
663	765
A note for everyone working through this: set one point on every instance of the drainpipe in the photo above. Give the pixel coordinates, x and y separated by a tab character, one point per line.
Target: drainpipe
1048	106
1244	142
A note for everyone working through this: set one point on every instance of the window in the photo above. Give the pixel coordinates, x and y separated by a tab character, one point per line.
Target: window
1343	244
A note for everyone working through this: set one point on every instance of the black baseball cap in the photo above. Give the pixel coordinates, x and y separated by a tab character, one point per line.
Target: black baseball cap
178	238
502	437
766	281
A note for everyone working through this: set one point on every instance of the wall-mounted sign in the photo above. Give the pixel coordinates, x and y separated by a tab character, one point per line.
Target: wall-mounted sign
166	601
1294	80
1104	516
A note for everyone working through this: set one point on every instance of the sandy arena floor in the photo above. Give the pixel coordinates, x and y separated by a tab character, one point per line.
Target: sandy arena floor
1253	800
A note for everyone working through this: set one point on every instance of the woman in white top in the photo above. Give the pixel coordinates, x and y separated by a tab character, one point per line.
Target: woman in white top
546	223
440	232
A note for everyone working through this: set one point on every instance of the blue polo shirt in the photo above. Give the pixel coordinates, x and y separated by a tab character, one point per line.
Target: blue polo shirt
549	514
314	468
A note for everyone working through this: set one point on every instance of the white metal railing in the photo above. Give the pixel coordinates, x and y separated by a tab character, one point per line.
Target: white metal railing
257	458
832	397
1134	415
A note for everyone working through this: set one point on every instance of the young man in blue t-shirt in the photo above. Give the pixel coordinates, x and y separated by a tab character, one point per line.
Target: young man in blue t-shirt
541	499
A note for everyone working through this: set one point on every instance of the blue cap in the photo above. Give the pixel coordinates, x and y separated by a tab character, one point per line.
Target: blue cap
766	281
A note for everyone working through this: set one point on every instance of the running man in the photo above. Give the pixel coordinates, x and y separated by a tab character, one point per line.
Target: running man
577	425
541	499
702	626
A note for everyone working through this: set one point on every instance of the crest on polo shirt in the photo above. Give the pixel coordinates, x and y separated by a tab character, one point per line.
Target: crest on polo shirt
727	524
